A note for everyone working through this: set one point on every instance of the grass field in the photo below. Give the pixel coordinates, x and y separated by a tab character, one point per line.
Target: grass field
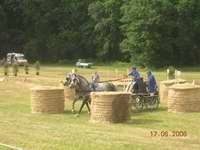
20	128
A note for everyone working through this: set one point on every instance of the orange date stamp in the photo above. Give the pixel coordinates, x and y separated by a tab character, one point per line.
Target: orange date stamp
168	133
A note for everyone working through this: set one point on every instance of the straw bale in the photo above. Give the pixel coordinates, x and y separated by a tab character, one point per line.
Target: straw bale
184	98
164	88
109	107
69	93
47	99
197	82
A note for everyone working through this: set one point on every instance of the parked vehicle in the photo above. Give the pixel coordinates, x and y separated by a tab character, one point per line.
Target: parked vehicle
81	63
2	61
17	58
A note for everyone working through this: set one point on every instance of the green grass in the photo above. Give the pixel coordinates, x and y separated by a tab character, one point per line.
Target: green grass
20	128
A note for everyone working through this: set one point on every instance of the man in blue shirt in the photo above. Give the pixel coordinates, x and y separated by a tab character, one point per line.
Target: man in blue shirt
151	82
137	78
134	73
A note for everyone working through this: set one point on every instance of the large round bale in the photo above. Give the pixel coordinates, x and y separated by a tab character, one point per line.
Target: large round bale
197	82
47	100
184	98
69	93
164	88
109	107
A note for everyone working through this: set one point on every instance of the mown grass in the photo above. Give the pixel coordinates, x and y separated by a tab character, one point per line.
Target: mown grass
20	128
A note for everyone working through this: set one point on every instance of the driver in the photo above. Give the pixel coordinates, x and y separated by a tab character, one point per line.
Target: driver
137	78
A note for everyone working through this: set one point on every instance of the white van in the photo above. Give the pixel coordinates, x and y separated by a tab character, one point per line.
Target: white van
17	58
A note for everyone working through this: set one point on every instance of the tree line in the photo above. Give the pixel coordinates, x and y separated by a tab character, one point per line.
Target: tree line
145	32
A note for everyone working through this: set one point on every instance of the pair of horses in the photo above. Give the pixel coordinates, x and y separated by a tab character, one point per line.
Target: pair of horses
83	89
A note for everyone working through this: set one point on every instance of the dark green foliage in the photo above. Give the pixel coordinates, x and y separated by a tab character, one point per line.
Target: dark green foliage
59	29
106	15
6	69
146	32
162	32
47	30
37	67
26	68
15	69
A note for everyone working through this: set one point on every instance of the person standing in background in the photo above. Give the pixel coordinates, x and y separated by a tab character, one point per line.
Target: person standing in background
95	80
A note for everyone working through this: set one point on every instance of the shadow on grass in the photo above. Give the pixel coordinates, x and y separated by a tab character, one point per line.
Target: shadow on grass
137	121
160	109
143	121
69	112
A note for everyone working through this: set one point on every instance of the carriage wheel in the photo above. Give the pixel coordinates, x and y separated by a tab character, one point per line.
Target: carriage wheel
153	103
139	103
157	102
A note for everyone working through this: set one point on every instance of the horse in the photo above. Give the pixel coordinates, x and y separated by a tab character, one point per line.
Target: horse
83	89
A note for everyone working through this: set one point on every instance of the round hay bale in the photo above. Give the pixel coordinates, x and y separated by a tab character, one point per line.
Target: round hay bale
47	100
109	107
184	98
164	88
196	82
69	94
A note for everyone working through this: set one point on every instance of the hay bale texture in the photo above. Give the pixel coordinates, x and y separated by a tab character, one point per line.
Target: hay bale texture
184	98
164	88
69	94
109	107
197	82
47	100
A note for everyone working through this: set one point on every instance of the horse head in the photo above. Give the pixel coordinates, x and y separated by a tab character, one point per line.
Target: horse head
72	81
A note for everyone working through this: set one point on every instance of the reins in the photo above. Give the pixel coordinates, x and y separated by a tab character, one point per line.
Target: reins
111	80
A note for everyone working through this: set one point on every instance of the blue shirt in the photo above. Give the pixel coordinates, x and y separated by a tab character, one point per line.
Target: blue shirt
151	83
135	74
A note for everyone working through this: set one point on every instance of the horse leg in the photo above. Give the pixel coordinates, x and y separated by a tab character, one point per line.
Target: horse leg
88	104
82	105
73	105
88	107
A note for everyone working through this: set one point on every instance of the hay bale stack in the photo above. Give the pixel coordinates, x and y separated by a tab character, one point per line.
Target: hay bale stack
197	82
164	88
184	98
109	107
69	94
47	100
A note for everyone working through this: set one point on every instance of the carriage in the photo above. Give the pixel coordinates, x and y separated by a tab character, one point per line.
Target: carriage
141	99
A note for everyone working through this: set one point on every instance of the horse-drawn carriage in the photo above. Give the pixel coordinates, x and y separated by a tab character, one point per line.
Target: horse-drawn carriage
140	99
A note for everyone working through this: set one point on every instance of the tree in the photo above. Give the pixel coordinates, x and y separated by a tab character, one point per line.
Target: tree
162	32
11	26
59	29
106	15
